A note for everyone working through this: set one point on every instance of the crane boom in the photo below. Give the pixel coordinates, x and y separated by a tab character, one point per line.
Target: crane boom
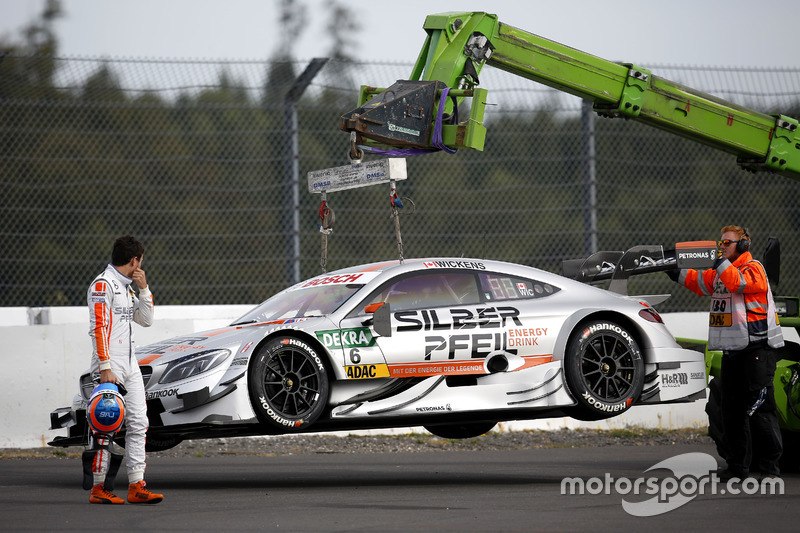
458	45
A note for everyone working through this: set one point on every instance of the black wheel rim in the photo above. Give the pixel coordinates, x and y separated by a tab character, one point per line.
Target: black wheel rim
608	367
291	383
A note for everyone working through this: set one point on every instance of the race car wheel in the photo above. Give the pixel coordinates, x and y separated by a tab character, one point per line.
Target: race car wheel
604	370
288	383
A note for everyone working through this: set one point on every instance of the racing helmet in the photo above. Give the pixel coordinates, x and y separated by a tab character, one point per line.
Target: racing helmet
105	411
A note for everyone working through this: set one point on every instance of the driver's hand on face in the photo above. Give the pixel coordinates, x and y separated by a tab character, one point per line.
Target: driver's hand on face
138	274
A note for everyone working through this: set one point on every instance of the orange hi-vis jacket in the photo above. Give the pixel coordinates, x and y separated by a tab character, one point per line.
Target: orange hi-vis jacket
742	309
112	308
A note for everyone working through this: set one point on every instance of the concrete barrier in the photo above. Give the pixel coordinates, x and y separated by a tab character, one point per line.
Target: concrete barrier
44	351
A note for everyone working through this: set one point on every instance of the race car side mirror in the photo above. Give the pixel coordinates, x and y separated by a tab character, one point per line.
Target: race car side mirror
381	318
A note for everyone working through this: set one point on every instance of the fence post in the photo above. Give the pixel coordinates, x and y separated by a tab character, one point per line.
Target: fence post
292	166
589	179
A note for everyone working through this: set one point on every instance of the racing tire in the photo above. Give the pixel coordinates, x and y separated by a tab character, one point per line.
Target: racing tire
604	370
461	431
288	384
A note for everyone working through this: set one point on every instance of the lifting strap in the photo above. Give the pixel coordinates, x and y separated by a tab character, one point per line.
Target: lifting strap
396	203
326	219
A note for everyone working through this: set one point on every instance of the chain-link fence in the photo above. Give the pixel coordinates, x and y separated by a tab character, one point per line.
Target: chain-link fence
197	160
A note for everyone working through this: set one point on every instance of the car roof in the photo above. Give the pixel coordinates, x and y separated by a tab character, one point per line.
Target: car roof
387	269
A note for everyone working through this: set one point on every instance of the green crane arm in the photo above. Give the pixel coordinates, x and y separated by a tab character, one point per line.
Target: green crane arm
458	45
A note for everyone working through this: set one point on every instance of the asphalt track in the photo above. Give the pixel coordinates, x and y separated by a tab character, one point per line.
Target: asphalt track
444	491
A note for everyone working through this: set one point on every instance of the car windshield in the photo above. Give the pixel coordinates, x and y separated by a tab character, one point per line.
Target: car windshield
302	302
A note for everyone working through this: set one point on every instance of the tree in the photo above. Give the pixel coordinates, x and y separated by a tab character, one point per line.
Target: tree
342	26
292	18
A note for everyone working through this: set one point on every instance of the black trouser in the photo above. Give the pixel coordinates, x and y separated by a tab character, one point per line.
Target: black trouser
753	442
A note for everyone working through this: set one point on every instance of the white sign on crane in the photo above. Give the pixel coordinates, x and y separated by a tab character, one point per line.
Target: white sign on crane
357	175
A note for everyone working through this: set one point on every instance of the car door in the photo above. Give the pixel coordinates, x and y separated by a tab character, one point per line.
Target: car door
447	322
438	324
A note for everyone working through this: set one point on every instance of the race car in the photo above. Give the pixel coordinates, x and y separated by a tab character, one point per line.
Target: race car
455	345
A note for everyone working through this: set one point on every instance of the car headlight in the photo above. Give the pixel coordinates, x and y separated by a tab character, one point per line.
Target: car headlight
194	364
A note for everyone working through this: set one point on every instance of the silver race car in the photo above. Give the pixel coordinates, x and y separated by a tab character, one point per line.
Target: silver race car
454	345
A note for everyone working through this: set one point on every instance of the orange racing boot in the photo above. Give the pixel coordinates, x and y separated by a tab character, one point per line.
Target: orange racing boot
101	495
138	494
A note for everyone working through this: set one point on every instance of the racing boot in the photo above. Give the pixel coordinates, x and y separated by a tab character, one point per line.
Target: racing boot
137	493
101	495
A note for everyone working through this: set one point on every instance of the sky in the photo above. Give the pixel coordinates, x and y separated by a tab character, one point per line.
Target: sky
745	33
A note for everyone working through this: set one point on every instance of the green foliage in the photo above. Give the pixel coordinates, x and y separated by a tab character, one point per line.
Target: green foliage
201	171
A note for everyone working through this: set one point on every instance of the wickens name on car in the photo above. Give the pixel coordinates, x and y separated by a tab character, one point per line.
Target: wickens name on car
455	264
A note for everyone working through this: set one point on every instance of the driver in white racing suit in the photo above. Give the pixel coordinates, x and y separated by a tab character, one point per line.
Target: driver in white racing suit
113	306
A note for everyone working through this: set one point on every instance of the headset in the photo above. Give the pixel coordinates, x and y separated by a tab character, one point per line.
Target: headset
744	242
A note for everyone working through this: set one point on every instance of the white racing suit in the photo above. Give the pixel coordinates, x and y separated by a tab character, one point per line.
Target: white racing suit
113	307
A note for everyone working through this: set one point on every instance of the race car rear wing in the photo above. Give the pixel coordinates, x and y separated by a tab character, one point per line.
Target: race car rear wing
619	266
